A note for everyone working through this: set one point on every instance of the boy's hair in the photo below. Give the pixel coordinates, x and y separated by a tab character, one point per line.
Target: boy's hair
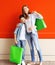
21	16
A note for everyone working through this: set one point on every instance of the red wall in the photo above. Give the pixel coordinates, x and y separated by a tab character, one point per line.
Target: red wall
11	9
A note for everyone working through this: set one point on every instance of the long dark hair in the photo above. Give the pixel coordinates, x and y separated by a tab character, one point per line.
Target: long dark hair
23	12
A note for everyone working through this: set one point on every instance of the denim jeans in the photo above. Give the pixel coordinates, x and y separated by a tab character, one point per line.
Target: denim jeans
33	41
22	43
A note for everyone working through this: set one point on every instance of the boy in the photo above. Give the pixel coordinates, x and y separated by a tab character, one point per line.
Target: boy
19	36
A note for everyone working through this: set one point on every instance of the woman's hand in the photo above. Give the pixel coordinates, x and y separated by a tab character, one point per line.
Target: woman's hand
34	12
30	28
38	14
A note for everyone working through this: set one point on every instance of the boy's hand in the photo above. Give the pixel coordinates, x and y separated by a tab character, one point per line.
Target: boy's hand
16	42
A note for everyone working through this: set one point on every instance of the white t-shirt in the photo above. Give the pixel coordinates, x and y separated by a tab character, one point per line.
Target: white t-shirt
22	34
30	22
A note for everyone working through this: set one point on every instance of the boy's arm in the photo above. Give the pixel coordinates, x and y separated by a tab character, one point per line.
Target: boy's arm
15	33
15	39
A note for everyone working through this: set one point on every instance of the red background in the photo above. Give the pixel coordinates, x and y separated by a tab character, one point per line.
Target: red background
11	9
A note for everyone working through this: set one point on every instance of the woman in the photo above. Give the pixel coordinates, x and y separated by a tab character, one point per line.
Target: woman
31	33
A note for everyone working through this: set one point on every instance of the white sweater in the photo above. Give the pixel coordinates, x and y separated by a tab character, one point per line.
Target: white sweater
31	21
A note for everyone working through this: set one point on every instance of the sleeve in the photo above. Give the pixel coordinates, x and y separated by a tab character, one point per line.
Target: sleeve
37	15
17	28
15	32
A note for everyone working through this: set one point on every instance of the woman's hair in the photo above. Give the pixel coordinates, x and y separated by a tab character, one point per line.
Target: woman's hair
23	12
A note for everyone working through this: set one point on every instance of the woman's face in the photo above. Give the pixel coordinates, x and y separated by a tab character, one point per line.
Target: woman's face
26	9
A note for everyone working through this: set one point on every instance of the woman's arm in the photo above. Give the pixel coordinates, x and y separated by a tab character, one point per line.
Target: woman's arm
37	15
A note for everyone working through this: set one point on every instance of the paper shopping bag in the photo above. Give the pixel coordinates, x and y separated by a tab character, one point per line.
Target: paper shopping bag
16	54
40	24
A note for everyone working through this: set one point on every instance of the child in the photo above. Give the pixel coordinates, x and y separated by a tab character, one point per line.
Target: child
19	36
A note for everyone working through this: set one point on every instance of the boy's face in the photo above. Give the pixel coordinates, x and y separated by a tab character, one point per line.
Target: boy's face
22	20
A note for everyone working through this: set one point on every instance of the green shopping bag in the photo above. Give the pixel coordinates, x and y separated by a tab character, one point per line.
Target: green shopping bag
16	54
40	24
